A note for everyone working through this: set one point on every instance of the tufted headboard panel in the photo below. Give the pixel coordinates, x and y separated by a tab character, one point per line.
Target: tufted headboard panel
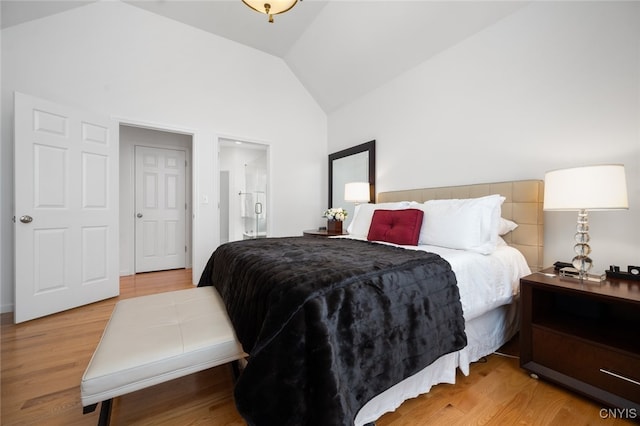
523	205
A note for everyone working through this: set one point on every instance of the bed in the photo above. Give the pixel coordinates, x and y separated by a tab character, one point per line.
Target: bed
301	363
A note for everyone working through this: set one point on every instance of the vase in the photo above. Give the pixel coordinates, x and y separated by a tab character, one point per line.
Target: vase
334	226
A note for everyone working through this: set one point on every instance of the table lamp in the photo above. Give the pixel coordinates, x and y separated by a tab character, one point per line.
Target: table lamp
599	187
357	192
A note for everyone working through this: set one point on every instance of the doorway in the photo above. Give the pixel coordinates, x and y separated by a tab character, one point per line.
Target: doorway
244	183
150	243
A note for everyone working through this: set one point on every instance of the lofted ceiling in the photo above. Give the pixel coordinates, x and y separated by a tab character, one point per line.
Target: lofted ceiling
338	49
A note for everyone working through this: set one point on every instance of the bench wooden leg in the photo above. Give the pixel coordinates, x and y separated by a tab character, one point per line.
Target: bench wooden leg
105	413
235	367
89	408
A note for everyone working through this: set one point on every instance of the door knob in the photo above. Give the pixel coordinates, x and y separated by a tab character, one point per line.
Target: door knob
139	215
26	219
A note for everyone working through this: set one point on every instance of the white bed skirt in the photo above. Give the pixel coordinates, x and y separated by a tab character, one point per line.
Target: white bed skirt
485	334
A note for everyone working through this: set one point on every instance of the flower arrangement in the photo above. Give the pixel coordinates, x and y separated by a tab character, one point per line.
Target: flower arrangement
337	213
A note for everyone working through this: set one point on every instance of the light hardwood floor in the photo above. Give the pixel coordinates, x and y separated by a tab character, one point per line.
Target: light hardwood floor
43	361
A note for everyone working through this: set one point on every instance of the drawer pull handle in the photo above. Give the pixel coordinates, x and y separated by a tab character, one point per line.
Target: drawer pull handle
611	373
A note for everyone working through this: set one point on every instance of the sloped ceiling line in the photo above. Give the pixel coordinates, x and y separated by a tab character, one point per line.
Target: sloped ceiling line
338	49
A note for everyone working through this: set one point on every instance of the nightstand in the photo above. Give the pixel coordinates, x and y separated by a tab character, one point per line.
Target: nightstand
320	233
583	335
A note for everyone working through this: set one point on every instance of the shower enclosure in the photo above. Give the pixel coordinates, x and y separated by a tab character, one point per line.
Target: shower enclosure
253	201
243	190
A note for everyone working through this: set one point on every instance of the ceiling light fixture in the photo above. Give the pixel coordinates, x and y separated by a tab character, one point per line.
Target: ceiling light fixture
270	7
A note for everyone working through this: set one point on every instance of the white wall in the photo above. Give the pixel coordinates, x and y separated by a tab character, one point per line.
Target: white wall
555	85
116	59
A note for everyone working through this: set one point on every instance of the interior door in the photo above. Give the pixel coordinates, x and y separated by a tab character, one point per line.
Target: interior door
66	205
160	209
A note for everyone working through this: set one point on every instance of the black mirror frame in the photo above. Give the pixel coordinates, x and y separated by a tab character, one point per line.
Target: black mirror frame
369	147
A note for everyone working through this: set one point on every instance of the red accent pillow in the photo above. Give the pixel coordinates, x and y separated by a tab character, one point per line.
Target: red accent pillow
396	226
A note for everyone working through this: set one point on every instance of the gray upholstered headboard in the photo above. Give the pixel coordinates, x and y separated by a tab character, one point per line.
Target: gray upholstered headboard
523	205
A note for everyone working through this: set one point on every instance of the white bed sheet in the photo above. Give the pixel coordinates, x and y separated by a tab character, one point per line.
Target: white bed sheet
485	281
489	286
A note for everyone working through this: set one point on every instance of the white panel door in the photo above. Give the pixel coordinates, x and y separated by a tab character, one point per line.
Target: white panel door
66	205
160	209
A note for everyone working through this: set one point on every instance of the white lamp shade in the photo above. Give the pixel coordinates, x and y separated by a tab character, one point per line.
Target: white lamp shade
277	6
602	187
357	192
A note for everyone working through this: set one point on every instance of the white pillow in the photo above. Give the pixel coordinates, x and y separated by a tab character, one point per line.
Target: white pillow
467	224
359	226
506	226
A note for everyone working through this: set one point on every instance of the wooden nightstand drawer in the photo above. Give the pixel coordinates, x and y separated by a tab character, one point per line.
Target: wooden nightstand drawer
614	371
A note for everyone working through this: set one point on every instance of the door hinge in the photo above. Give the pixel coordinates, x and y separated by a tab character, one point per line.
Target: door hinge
185	249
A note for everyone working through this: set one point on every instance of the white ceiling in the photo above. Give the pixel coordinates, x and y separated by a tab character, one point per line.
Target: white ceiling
339	49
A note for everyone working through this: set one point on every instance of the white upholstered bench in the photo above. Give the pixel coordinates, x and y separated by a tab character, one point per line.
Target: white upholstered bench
152	339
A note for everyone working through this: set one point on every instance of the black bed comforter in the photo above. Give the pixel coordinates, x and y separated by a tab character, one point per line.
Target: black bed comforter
330	323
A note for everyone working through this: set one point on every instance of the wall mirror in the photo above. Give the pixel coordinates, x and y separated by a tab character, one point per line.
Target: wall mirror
355	164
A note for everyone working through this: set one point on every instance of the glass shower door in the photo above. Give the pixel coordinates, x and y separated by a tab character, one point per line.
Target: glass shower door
255	199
